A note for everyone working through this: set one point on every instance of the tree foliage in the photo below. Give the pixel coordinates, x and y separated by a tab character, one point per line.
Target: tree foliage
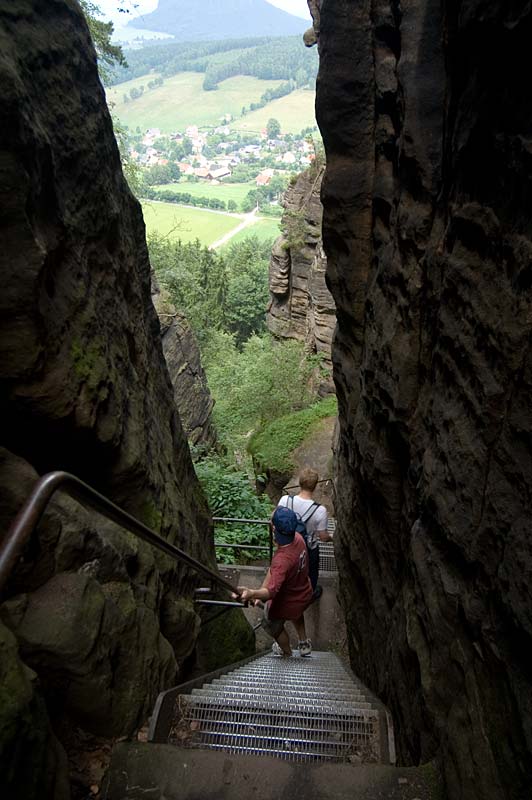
109	54
271	58
226	292
255	384
230	493
273	128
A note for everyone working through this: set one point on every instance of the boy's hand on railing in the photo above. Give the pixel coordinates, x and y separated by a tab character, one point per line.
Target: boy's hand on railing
250	595
244	594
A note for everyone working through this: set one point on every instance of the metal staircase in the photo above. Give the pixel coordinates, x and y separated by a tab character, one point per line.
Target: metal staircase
297	709
269	728
327	557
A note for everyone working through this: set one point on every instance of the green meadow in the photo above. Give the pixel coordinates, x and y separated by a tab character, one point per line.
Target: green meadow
263	228
181	101
189	224
295	111
220	191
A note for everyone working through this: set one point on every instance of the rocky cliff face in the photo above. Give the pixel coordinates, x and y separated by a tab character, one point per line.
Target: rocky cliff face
98	623
181	352
301	306
427	233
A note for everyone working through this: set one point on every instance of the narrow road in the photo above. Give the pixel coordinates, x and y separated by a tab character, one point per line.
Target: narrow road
248	220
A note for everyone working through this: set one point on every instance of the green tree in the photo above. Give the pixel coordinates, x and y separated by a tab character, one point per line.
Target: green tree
277	186
255	385
109	55
231	205
196	279
250	201
131	169
247	288
175	172
273	128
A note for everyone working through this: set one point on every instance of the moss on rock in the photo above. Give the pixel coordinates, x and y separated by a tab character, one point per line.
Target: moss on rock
32	763
228	639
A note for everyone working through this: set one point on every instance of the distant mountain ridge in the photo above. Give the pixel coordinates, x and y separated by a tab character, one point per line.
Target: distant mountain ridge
219	19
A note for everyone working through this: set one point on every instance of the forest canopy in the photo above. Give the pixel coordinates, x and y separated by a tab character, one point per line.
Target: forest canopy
280	58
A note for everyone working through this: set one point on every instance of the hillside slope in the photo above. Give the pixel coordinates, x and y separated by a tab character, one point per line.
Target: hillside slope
212	19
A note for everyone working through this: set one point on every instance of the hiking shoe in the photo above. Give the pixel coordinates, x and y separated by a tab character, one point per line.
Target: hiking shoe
277	650
305	648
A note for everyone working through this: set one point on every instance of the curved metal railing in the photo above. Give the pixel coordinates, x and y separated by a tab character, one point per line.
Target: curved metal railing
31	512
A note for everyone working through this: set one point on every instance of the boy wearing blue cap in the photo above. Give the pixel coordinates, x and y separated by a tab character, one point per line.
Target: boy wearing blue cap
286	589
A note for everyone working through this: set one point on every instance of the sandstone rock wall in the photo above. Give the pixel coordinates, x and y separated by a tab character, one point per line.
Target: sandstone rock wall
101	622
301	306
426	227
192	397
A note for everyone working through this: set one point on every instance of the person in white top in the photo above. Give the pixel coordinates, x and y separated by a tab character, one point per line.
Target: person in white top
315	518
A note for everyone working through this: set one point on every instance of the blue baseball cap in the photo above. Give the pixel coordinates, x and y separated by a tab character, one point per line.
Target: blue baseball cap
285	524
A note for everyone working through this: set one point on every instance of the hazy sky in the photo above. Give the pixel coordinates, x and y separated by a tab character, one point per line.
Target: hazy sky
109	7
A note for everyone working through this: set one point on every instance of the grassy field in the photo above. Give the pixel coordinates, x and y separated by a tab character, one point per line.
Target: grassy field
181	101
187	224
221	191
294	112
264	229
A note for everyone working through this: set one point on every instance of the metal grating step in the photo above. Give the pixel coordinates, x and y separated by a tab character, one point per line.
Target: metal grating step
265	684
253	719
289	708
290	734
327	557
323	699
269	703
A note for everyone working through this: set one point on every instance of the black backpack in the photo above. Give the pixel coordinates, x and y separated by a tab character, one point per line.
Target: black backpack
302	520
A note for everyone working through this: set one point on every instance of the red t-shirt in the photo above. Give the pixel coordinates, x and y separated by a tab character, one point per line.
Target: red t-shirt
289	584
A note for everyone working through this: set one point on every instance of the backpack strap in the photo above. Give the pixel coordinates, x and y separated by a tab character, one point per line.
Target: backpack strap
313	508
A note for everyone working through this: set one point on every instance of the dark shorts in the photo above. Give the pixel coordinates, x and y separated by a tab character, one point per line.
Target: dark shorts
272	626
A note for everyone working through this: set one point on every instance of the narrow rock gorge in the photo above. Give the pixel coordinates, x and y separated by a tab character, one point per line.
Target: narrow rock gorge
95	623
301	306
427	194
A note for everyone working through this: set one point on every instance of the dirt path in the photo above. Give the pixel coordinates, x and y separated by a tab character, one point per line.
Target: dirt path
248	220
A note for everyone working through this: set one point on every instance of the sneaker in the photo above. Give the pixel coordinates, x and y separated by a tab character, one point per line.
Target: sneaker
277	650
305	648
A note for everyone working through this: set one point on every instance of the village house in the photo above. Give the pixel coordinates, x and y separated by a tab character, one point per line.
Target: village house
264	178
150	136
219	172
288	158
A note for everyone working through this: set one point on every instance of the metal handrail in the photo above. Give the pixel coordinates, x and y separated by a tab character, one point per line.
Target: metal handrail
296	485
31	512
238	519
267	522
